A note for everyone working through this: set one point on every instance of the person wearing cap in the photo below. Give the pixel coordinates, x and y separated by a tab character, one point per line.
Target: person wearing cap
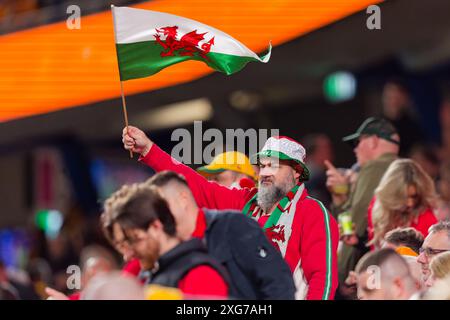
230	169
297	225
376	145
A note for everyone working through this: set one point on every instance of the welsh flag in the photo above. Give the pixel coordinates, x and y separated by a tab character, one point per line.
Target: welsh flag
149	41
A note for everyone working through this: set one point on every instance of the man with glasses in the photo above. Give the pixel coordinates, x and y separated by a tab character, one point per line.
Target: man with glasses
376	145
138	222
437	241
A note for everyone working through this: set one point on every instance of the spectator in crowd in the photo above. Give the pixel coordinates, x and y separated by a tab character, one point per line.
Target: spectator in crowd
257	270
399	110
94	260
437	241
376	147
320	149
405	197
401	238
427	157
384	275
137	217
230	169
439	268
280	204
407	243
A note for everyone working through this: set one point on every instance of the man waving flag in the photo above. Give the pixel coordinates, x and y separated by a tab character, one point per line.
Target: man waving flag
149	41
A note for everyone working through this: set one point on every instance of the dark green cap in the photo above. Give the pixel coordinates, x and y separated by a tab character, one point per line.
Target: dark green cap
374	127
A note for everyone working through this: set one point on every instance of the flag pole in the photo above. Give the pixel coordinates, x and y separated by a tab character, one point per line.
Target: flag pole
124	105
125	113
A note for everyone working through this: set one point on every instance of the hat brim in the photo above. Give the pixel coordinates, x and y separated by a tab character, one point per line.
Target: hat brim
352	137
207	171
282	156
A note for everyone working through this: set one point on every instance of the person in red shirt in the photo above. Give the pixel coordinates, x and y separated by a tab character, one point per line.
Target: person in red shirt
296	224
138	220
404	198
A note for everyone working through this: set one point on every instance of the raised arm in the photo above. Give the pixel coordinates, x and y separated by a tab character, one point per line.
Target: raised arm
206	193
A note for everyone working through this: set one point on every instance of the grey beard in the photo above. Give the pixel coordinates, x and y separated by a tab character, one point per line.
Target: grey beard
267	197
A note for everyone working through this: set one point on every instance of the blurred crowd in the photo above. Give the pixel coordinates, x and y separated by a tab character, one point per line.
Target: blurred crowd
293	226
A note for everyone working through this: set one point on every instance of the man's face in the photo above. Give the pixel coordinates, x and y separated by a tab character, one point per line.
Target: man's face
363	149
225	178
120	243
276	179
138	244
434	244
273	172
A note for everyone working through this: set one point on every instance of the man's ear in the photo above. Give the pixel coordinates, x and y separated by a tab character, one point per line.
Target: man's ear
155	228
374	141
398	288
183	198
298	172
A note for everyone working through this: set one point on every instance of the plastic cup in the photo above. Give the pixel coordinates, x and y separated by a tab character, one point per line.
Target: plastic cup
345	221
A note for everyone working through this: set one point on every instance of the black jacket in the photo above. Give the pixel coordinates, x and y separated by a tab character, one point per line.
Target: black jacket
176	263
257	270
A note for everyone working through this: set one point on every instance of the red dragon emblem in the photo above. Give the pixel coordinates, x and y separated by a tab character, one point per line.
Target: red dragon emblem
275	234
186	46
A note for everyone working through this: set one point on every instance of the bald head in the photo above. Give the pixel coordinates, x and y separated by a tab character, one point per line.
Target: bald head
171	181
113	286
384	275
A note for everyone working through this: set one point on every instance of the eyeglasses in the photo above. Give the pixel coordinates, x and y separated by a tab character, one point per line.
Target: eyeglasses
431	252
128	242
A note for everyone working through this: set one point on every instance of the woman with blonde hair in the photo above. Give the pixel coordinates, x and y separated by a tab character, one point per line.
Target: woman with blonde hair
405	197
439	267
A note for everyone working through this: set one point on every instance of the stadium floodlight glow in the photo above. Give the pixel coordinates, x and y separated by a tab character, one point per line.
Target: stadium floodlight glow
177	114
339	86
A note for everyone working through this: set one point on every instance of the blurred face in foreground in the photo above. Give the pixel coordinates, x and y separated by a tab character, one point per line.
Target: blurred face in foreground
372	286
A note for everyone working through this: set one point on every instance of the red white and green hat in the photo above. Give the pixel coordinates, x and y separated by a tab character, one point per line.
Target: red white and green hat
285	148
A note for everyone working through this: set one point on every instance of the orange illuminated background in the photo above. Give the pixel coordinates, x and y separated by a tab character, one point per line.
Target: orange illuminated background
51	67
